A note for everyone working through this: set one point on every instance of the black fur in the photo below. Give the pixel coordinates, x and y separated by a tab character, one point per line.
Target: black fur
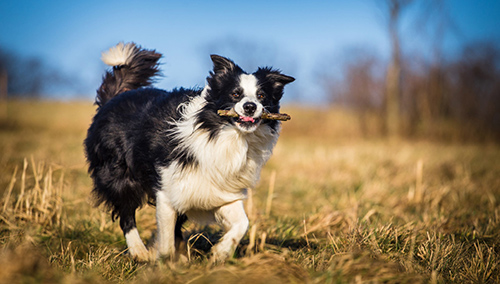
138	73
128	133
130	136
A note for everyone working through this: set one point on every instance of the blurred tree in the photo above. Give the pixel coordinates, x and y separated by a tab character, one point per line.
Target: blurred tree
394	9
424	91
3	93
354	80
28	77
432	100
476	86
464	90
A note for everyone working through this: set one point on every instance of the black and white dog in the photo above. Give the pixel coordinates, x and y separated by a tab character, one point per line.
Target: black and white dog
173	149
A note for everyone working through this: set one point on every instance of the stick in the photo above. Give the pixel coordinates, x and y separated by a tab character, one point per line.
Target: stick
265	115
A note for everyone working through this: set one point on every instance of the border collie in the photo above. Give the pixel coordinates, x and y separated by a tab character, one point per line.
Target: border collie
173	150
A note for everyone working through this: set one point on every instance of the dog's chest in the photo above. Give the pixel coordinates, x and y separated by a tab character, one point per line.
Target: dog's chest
224	167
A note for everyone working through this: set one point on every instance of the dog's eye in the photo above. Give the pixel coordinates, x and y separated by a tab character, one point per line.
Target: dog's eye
260	95
236	95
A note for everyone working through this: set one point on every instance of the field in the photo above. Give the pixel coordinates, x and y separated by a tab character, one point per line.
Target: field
331	207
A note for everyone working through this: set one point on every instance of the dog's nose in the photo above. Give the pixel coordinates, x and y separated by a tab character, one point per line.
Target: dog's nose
249	108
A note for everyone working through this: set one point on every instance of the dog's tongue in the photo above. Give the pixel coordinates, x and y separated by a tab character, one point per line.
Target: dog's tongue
247	118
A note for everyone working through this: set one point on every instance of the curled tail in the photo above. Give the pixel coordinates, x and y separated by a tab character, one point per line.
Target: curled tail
133	67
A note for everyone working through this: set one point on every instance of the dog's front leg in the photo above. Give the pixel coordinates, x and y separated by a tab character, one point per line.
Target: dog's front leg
233	219
165	221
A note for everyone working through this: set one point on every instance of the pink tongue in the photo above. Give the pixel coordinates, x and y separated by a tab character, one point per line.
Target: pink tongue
247	118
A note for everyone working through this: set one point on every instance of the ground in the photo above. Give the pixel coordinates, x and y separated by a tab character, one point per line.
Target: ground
332	206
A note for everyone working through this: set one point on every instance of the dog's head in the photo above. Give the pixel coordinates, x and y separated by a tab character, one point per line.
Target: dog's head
249	95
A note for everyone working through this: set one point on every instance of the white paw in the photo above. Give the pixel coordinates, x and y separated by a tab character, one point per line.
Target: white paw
221	253
165	252
140	253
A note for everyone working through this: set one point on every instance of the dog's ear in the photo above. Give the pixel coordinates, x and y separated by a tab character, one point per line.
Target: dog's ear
222	64
279	79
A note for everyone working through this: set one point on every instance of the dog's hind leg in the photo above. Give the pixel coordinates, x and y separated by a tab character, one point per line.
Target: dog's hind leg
234	220
136	247
180	243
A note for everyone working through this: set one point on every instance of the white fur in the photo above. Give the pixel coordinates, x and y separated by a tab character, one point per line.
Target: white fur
227	164
121	54
135	245
165	221
233	219
213	189
249	83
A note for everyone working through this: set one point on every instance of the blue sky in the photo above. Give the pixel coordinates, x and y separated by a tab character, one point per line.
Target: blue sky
294	36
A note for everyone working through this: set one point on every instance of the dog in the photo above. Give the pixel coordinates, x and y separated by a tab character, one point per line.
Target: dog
172	149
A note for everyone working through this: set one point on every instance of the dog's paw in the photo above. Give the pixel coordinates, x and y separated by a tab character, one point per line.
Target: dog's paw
220	254
140	254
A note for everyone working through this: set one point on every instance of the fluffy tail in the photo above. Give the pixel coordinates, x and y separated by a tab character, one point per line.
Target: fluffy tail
133	67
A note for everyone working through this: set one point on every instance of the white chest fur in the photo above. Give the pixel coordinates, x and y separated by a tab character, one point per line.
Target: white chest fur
225	165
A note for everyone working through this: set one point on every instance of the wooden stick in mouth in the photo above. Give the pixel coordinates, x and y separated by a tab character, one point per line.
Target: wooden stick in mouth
265	115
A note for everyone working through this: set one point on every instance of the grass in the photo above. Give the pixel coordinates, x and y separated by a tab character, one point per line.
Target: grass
331	207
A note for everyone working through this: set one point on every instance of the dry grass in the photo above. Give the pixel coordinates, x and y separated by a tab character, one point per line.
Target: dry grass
332	207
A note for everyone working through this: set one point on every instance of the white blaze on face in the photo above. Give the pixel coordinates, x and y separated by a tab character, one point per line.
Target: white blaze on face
249	84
